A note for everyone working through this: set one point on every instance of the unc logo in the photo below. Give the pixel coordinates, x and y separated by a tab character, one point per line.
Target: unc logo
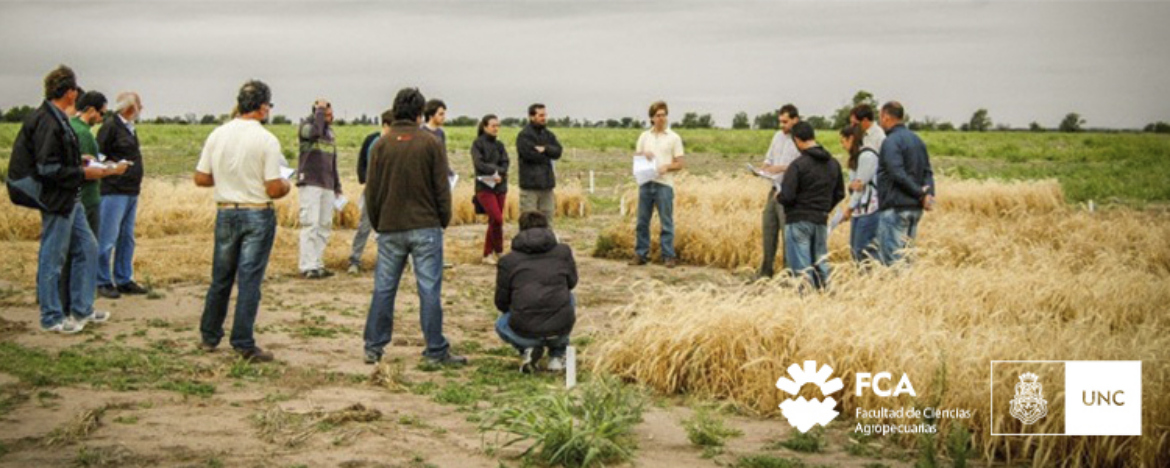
1029	404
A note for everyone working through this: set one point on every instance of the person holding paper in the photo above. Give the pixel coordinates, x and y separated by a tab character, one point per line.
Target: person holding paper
364	229
409	198
319	186
490	158
665	148
534	294
241	161
812	186
781	153
118	140
863	198
45	173
538	150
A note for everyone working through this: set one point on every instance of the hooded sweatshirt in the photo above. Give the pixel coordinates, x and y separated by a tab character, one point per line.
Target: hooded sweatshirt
812	186
534	283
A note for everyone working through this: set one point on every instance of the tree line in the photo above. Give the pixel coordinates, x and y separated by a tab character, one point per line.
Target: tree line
980	120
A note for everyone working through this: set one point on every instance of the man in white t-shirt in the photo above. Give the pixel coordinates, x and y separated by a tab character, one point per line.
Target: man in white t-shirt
242	161
780	154
665	148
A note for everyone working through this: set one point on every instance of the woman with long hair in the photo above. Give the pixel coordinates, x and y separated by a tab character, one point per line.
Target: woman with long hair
491	183
863	199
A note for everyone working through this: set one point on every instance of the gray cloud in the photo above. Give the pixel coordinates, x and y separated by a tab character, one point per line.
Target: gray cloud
1024	61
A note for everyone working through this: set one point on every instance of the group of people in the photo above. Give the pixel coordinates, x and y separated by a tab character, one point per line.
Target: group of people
86	188
890	185
84	185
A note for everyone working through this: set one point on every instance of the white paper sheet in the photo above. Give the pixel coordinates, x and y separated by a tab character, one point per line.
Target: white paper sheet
453	178
340	202
644	170
287	172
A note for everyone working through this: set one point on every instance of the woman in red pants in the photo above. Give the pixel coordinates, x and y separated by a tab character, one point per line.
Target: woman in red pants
491	184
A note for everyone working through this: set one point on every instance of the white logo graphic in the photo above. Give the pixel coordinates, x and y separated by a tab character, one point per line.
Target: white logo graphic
1029	404
804	414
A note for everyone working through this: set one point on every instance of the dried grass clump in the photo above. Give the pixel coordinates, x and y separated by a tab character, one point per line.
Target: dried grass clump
572	202
1000	272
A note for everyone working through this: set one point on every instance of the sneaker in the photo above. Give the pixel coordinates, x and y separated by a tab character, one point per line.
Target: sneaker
255	355
310	274
206	347
98	316
448	360
490	260
132	288
54	328
638	261
527	364
556	364
323	273
671	262
70	326
355	270
108	292
372	357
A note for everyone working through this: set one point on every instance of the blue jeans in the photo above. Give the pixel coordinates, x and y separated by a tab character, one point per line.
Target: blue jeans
243	241
116	237
863	237
425	246
653	195
556	344
896	229
806	251
61	236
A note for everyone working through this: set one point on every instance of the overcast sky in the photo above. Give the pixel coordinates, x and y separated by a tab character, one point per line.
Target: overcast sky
1024	61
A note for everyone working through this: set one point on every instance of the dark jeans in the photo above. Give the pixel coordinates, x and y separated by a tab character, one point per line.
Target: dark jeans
65	236
896	228
557	345
806	251
425	246
243	241
863	237
92	217
773	226
651	196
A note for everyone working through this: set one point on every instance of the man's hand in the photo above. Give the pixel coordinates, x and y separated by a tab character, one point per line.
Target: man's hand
539	149
927	199
94	173
647	155
846	215
119	168
497	178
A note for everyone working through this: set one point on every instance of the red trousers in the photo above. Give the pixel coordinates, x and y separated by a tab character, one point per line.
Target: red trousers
493	203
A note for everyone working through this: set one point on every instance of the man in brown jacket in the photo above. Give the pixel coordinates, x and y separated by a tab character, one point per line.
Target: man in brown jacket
409	200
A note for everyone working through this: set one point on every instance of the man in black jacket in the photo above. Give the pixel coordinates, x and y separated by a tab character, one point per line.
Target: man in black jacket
812	186
118	140
364	229
905	183
538	147
534	286
47	154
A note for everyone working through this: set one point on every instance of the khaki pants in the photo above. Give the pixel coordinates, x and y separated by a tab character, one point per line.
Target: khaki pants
773	226
316	218
543	201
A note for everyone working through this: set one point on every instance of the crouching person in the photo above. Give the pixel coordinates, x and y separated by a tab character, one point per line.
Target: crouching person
534	284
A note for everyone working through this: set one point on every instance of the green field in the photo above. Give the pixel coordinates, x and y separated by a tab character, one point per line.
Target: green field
1109	168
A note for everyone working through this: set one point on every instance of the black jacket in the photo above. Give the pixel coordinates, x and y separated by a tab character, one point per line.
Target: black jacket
46	149
490	156
117	142
534	283
903	170
536	168
363	162
812	186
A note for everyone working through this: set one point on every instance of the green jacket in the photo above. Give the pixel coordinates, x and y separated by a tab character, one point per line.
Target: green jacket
91	194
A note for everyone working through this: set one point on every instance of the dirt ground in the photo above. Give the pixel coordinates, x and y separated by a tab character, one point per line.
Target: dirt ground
277	415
